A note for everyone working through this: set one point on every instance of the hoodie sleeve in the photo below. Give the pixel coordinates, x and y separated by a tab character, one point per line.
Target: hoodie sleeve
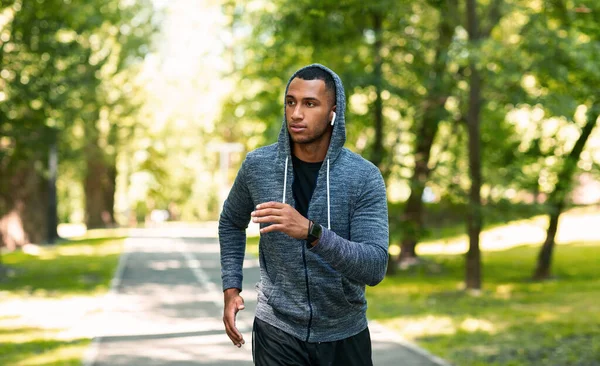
233	222
364	258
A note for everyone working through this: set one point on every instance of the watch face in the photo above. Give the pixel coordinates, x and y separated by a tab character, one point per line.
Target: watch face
316	231
319	231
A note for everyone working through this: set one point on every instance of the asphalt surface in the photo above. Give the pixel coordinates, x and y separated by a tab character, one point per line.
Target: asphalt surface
165	308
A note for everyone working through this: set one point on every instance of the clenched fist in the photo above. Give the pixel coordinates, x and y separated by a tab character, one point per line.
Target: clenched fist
283	218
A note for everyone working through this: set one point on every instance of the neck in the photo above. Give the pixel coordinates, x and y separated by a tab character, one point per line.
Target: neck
314	152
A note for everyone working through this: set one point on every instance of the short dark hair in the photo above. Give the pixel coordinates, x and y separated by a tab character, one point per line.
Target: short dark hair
317	73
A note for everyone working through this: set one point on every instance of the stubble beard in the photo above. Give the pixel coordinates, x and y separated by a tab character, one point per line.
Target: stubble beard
317	136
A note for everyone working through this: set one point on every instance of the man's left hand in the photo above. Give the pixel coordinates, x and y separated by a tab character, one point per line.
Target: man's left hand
283	218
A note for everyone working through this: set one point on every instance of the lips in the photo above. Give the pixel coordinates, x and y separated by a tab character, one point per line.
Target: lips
297	128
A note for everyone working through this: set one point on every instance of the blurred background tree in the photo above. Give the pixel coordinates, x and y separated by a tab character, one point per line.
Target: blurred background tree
147	116
66	81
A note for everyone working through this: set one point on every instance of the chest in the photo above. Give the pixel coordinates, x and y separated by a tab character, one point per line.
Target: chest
337	210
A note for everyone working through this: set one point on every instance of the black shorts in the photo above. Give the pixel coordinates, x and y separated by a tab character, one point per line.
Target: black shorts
272	346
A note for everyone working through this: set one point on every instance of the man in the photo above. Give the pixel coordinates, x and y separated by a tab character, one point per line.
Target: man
321	241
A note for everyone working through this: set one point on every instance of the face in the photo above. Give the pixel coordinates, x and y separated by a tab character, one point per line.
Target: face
308	110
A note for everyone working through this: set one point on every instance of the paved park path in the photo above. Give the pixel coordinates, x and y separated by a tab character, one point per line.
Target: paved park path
165	308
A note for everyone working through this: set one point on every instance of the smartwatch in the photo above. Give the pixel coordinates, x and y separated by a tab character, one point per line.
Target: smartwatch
314	232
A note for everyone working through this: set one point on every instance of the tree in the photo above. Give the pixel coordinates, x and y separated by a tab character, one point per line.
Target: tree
557	199
570	33
473	260
440	86
444	73
55	57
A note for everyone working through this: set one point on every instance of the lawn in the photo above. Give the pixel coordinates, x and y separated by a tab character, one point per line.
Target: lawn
513	321
47	293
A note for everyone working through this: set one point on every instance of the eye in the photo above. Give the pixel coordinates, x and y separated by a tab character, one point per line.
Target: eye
310	104
290	102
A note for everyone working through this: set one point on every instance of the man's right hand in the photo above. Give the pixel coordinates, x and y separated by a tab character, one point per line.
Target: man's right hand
233	303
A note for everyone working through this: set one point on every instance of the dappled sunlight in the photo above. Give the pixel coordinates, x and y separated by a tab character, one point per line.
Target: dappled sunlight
412	328
70	230
80	232
23	335
57	314
38	328
108	248
546	316
63	354
574	226
47	255
472	325
578	226
483	350
504	291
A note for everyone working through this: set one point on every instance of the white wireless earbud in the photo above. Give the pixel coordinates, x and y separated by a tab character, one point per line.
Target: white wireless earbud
333	119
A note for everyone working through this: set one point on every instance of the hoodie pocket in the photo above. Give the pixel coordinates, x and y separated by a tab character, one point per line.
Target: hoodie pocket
354	294
329	300
288	301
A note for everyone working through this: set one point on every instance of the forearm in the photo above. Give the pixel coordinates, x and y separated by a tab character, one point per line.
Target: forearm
359	261
232	241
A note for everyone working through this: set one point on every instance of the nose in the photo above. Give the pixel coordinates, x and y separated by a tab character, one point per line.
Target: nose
297	113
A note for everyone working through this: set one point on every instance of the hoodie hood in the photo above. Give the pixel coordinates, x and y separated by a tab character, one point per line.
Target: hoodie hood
338	136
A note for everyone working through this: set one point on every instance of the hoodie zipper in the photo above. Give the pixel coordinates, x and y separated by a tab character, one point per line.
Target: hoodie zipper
304	243
307	291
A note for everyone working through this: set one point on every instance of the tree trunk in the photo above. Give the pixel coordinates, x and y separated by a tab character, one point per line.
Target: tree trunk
109	192
99	189
52	216
544	258
413	212
433	111
558	196
99	182
474	220
94	196
24	220
378	151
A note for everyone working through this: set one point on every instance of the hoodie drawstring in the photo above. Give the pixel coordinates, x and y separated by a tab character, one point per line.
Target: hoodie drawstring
328	201
285	179
328	205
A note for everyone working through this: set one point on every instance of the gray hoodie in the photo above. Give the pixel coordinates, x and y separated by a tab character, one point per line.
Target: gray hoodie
316	294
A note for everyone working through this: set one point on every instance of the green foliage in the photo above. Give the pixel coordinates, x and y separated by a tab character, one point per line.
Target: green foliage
419	67
66	78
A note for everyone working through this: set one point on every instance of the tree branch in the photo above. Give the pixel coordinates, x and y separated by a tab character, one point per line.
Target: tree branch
494	15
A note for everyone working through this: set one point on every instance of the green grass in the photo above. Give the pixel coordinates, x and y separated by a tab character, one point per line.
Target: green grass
513	321
252	245
43	352
60	273
80	267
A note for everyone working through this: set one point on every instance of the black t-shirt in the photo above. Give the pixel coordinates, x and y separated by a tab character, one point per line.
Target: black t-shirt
305	181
